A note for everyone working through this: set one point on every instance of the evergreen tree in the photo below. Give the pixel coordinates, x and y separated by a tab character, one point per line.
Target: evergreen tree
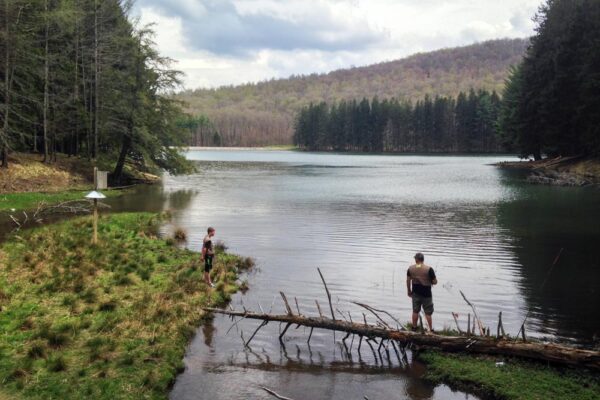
551	100
77	77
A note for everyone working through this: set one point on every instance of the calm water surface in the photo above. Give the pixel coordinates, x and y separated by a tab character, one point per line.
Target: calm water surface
361	219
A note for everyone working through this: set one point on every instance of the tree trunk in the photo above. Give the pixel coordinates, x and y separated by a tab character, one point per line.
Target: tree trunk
125	146
96	81
46	73
75	140
4	136
468	344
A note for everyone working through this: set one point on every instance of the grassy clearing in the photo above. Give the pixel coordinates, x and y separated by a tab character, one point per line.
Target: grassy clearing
27	173
515	380
106	322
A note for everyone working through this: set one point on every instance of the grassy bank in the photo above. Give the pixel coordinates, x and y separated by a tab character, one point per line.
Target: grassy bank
31	200
515	380
28	181
106	322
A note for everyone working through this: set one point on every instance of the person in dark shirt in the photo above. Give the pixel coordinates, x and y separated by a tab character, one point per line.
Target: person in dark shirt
419	279
208	255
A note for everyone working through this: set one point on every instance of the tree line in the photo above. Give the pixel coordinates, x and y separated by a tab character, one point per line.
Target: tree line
466	123
80	77
552	98
202	131
261	113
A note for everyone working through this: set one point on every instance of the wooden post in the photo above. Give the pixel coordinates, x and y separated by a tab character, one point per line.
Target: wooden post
95	237
469	324
456	321
500	330
95	178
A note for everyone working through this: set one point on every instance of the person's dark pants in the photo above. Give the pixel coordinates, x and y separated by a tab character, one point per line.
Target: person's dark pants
208	263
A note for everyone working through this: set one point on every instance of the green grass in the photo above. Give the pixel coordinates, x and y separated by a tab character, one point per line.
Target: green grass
105	322
282	147
31	200
518	380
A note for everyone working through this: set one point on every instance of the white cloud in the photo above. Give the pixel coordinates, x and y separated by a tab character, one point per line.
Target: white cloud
222	42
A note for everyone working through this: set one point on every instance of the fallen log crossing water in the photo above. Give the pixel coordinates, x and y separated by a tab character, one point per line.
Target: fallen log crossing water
395	333
548	352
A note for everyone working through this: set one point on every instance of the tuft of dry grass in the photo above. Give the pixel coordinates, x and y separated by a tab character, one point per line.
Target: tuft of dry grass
27	173
180	234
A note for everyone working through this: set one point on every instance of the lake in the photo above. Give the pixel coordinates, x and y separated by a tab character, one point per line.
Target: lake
360	219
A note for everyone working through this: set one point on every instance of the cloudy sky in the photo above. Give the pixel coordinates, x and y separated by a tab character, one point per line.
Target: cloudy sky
224	42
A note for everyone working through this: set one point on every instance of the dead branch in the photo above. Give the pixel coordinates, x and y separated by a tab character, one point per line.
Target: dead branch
475	316
328	295
372	309
287	305
274	394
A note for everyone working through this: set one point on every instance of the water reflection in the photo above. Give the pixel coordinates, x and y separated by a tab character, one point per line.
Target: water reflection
541	222
322	371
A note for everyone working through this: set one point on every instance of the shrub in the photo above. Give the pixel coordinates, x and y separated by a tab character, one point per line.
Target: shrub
220	247
180	234
246	263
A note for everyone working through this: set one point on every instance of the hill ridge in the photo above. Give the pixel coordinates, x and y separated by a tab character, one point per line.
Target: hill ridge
262	113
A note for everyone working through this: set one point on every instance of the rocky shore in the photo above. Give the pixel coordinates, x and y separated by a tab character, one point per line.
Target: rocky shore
559	171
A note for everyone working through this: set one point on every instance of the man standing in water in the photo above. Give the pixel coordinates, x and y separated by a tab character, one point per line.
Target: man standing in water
419	279
208	255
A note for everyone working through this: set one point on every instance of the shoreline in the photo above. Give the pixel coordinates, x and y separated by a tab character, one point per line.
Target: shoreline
558	171
509	378
258	148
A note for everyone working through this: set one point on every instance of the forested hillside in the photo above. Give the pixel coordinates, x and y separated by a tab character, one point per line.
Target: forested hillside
80	78
264	113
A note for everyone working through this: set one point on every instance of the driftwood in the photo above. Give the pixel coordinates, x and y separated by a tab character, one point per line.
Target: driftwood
471	344
275	394
44	210
475	316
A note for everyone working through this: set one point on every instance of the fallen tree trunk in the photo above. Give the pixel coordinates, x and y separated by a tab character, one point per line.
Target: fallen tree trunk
471	344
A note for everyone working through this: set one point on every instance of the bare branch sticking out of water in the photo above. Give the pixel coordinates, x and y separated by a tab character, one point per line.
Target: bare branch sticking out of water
275	394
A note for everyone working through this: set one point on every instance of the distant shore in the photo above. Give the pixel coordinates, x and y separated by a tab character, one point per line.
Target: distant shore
262	148
559	171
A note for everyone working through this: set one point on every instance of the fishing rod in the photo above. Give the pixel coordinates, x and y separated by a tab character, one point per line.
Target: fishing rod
522	328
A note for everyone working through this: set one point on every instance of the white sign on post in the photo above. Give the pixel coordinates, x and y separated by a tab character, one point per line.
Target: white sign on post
101	180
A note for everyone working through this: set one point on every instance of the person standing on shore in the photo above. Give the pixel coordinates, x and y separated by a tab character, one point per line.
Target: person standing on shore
419	279
208	255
